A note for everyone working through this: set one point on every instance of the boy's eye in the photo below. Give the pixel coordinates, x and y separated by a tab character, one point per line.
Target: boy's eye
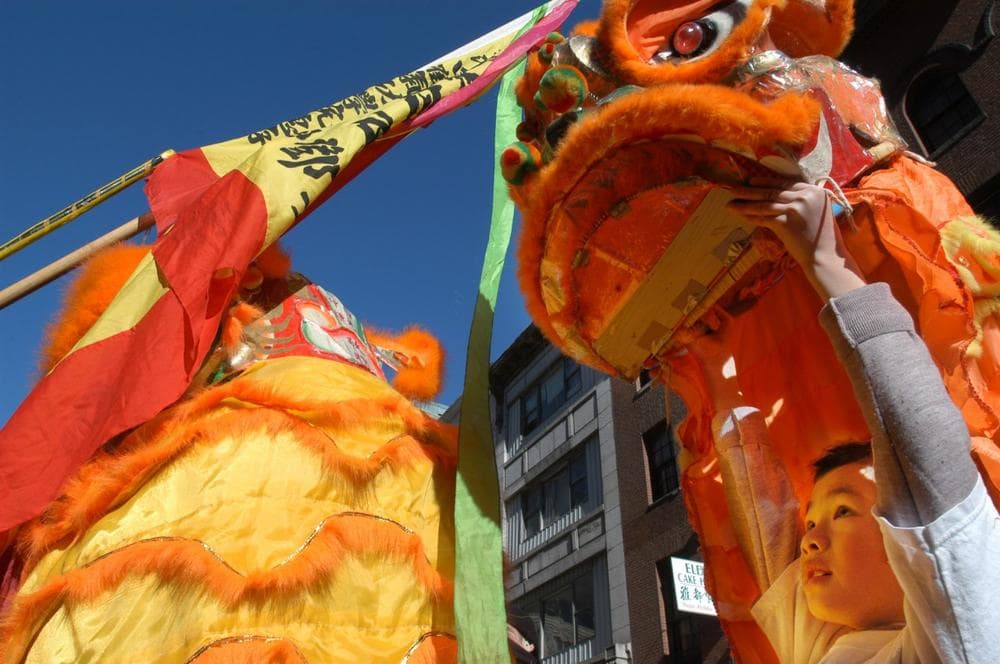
810	525
843	510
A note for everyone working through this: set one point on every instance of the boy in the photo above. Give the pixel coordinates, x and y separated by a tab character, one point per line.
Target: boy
899	559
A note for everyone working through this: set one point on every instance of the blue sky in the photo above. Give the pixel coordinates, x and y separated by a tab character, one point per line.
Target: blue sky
90	90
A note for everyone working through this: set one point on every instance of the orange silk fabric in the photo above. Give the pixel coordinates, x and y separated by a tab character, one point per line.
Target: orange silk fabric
788	370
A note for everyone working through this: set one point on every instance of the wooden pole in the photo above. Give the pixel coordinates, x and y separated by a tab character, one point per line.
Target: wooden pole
74	210
54	270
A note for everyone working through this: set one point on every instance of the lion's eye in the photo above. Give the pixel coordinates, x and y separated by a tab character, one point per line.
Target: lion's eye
691	37
698	38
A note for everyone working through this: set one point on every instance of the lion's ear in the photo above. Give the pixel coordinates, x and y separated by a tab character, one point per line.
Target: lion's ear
98	281
812	27
274	262
421	361
586	28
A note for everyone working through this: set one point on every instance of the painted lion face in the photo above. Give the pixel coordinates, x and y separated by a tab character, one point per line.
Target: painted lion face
635	127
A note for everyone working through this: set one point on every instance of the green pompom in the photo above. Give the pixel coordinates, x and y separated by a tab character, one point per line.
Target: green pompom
546	51
561	89
518	160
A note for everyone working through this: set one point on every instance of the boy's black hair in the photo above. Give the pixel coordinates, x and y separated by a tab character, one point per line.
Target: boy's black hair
841	455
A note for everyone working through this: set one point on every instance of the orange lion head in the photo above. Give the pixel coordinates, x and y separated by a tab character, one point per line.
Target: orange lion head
634	129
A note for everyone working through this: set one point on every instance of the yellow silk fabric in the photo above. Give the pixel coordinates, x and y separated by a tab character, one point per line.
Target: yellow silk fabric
139	294
278	159
368	613
254	498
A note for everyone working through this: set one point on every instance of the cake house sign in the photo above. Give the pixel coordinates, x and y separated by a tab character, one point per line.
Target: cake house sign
689	587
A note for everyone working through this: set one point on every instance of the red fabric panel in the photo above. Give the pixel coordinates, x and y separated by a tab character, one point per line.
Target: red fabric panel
176	184
115	384
94	394
204	255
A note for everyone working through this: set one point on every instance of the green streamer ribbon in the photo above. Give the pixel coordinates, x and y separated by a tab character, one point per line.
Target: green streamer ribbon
480	614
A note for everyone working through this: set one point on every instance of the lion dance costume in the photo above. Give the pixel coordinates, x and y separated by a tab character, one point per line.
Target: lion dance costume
295	507
634	128
213	466
293	473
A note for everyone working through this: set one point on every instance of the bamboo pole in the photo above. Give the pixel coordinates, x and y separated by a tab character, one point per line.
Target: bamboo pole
54	270
74	210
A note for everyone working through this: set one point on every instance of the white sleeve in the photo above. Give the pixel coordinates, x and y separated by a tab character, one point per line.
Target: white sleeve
796	636
950	574
762	507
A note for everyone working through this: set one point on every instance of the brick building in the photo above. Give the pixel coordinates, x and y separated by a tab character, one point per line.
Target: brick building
593	512
655	527
938	63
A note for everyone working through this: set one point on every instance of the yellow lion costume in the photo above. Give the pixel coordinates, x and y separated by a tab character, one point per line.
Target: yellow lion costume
294	507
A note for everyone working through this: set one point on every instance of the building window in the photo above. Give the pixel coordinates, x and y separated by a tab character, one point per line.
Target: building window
546	396
940	110
661	459
532	510
644	379
569	613
567	616
545	503
681	630
578	481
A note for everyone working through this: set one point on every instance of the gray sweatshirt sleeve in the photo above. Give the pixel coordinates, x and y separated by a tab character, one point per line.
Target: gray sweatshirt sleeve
920	442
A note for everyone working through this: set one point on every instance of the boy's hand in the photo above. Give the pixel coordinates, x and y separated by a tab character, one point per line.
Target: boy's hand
801	216
709	345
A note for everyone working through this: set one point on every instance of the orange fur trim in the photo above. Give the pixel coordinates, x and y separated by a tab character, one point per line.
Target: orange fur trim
527	85
249	650
423	368
632	68
716	113
801	28
435	649
586	28
239	316
188	563
98	281
274	262
110	479
232	333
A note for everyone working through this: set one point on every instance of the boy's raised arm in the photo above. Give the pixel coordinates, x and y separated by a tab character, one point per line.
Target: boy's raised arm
920	443
762	507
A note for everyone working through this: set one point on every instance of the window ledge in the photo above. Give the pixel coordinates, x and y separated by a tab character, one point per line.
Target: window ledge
642	390
553	536
527	440
955	139
665	498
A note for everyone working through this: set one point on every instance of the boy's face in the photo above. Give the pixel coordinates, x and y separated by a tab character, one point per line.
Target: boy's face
845	573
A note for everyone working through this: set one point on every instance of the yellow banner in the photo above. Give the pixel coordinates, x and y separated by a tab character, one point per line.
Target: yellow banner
293	162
